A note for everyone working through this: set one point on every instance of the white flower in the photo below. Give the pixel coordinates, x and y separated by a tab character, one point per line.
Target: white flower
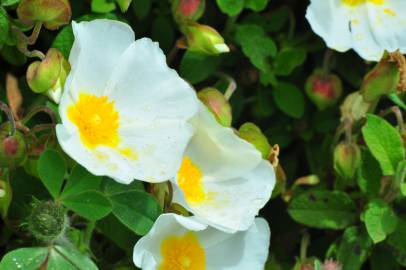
182	243
223	179
368	26
124	112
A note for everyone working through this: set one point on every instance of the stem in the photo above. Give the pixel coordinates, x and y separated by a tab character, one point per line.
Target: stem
303	245
398	114
326	61
39	109
35	33
31	54
230	24
7	111
89	233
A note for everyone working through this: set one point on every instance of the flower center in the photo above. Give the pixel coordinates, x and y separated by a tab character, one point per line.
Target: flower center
360	2
182	253
96	119
190	181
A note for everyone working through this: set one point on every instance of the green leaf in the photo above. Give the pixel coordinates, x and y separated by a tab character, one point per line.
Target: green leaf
256	5
4	26
80	180
123	4
385	143
288	59
369	175
397	242
256	45
231	7
196	67
136	209
162	31
62	258
12	55
289	99
5	198
111	187
380	220
354	248
24	259
323	209
400	177
102	6
92	205
64	41
114	230
52	170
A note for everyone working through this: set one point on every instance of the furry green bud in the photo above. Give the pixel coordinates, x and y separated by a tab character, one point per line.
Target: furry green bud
47	221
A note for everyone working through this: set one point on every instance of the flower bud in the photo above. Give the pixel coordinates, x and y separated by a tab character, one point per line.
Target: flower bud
13	148
217	104
49	75
251	133
381	80
331	265
204	39
52	13
187	10
323	89
347	159
47	221
354	107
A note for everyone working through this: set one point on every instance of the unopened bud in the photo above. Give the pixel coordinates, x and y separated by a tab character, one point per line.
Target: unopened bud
47	221
347	159
354	107
217	104
381	80
323	90
331	265
49	75
204	39
13	148
187	10
52	13
253	134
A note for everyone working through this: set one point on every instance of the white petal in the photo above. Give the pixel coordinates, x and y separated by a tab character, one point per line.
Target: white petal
219	153
240	251
97	47
159	147
246	250
146	89
233	204
330	20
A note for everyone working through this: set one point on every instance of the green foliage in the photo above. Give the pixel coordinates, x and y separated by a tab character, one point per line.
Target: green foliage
196	67
52	170
323	209
380	220
289	99
384	142
354	248
397	240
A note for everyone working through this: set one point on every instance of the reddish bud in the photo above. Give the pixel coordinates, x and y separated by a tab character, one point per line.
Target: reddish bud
13	148
323	89
184	10
217	104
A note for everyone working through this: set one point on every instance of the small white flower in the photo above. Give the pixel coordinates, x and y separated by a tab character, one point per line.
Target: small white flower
124	112
223	179
368	26
182	243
